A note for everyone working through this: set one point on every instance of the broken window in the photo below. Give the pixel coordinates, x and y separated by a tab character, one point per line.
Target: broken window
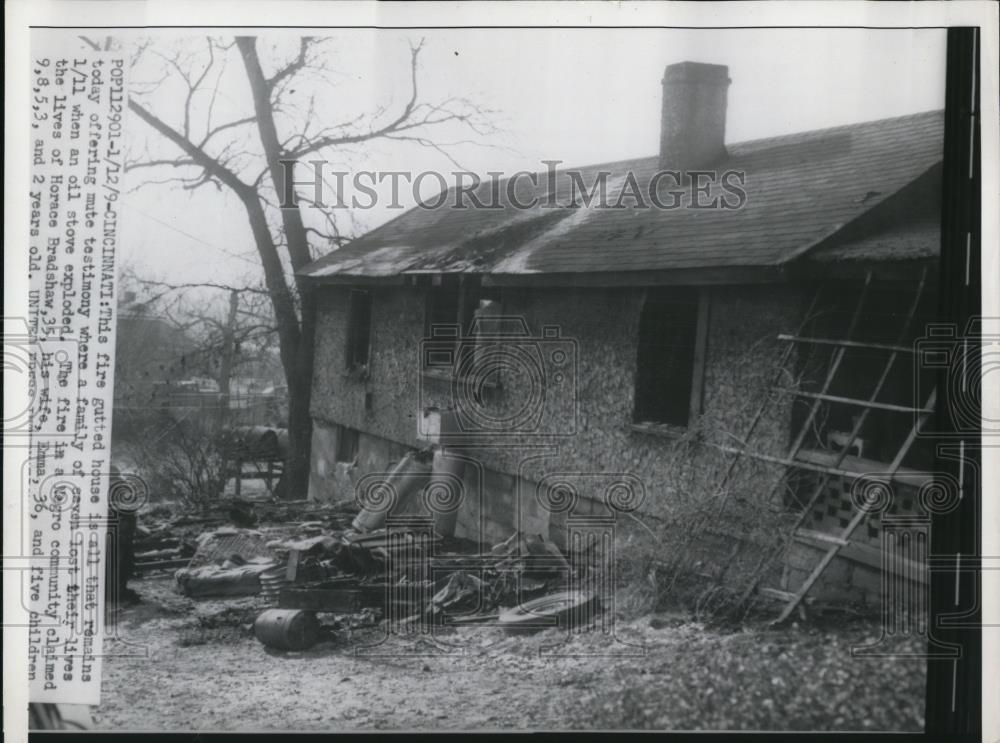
347	444
359	322
671	350
441	324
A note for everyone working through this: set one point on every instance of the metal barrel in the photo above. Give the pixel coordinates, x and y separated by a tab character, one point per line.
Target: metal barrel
287	629
404	478
443	495
253	442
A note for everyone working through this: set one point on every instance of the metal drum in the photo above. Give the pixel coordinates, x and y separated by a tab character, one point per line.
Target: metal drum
255	442
287	629
443	494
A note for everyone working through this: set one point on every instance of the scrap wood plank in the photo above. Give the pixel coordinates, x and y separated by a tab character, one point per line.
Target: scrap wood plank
845	343
162	564
472	618
335	600
779	595
869	556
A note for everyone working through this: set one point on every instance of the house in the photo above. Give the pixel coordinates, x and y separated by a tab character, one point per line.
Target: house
582	355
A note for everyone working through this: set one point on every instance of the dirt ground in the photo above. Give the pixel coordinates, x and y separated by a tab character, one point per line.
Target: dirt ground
197	666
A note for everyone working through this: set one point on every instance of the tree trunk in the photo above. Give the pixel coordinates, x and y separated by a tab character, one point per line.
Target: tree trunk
295	481
295	344
298	368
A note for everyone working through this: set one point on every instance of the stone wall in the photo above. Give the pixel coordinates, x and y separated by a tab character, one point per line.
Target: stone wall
583	437
585	424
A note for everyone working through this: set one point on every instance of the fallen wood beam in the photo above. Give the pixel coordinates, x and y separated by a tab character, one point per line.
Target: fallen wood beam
845	343
872	557
162	564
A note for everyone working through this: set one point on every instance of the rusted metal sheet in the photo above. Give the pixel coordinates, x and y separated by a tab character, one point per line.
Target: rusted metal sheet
146	567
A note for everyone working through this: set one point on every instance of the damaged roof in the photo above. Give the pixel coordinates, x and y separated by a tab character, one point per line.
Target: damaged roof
801	191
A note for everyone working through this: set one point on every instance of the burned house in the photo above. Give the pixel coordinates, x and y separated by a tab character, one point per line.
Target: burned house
583	358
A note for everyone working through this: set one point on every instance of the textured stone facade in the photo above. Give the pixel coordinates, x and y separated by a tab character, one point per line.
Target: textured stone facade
583	439
585	426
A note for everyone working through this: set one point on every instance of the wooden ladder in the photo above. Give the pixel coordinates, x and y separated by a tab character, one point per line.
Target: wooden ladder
836	542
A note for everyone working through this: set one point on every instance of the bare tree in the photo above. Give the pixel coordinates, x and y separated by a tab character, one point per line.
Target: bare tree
244	155
230	330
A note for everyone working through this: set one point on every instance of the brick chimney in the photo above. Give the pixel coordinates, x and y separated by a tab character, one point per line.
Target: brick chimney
693	125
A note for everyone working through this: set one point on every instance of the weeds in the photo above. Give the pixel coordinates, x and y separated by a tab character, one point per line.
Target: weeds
180	461
708	537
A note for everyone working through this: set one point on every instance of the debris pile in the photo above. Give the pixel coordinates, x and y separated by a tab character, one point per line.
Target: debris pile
302	558
394	573
166	541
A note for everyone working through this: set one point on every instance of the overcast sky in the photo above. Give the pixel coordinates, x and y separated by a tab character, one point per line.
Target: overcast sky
580	96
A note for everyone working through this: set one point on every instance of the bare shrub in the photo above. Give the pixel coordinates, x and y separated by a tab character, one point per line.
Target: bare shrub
180	460
714	533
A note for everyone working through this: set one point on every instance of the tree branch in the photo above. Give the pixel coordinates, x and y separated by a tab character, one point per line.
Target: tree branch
290	69
202	285
196	153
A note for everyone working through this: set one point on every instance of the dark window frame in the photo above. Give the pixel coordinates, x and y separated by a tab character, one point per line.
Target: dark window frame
675	317
449	312
357	353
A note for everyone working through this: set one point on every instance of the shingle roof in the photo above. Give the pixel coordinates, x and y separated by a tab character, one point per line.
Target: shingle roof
915	241
801	190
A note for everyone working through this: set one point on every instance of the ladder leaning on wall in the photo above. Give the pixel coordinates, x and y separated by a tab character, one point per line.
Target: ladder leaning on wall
833	542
